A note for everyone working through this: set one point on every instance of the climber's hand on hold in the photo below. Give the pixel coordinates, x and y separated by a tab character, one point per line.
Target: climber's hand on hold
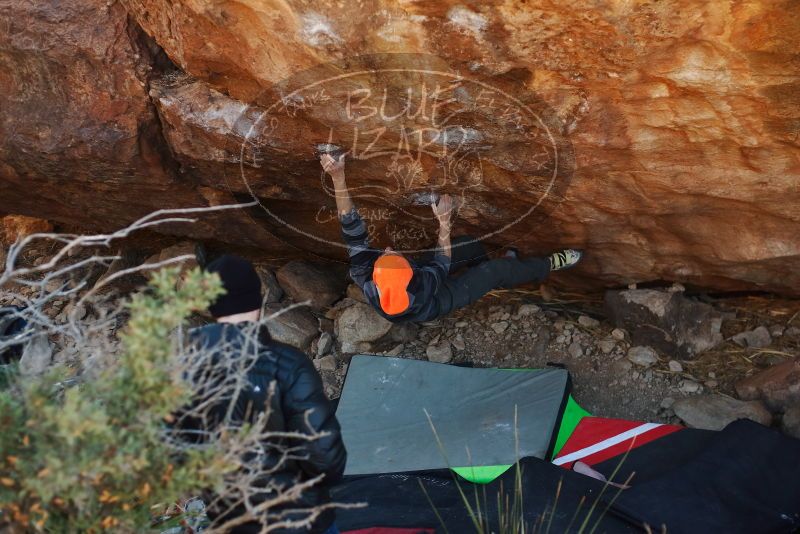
333	166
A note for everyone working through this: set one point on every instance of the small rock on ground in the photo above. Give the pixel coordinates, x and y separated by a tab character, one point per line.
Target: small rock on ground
359	323
458	342
588	322
690	386
715	412
326	363
36	356
500	327
324	344
644	356
528	309
606	345
791	421
675	366
756	339
296	326
439	353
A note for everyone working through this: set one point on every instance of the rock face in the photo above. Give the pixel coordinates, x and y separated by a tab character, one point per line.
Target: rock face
663	138
15	227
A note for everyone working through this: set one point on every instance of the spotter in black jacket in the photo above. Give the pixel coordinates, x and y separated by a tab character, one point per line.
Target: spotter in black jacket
299	403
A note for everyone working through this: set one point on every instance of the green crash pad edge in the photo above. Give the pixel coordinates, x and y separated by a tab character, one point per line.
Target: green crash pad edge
573	413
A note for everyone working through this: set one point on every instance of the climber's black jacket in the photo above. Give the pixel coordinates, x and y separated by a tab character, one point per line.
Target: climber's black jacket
299	402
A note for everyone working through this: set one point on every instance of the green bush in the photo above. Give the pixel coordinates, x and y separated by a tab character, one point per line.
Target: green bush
93	457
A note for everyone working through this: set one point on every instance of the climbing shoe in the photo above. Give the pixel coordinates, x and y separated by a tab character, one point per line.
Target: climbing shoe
564	259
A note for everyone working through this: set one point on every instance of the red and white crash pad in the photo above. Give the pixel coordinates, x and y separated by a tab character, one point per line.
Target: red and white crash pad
597	439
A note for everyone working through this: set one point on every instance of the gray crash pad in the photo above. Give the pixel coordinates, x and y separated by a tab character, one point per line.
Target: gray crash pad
385	428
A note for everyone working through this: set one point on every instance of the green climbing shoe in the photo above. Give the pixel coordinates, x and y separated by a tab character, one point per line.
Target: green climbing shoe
564	259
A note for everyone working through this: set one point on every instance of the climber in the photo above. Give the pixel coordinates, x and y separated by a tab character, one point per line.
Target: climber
298	405
401	289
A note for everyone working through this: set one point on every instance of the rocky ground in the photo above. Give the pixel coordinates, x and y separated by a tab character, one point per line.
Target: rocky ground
610	377
713	360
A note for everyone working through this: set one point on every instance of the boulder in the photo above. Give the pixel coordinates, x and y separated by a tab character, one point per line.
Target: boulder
778	386
665	320
715	412
304	281
81	142
294	326
676	146
359	323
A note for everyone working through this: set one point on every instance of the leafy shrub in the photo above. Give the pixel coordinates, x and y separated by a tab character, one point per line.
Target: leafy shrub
93	457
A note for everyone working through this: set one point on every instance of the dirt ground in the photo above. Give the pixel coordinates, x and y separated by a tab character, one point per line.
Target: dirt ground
494	334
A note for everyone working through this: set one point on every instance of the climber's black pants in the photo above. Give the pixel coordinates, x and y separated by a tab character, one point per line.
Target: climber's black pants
483	275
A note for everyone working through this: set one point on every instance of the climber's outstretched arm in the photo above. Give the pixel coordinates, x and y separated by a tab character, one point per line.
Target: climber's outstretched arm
335	167
443	210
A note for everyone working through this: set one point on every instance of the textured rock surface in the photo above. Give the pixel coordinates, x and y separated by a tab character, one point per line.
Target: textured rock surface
359	323
644	356
80	140
715	412
304	281
296	327
15	227
679	123
778	386
666	320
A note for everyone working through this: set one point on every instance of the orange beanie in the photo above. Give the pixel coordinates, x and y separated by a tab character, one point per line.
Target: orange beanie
392	273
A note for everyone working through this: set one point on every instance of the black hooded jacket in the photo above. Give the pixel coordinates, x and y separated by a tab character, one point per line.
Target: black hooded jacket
299	403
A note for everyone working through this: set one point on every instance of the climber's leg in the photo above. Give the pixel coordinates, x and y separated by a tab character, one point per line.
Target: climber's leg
502	273
460	291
